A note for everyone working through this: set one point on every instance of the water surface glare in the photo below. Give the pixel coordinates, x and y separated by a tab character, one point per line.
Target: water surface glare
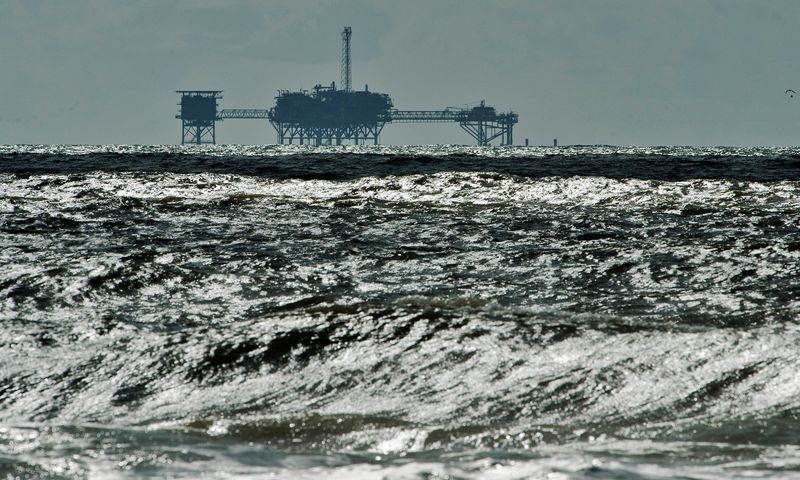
399	312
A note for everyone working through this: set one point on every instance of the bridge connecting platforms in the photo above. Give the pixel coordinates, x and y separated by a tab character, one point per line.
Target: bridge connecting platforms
482	123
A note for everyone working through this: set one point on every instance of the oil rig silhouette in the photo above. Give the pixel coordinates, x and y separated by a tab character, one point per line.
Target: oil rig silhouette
329	116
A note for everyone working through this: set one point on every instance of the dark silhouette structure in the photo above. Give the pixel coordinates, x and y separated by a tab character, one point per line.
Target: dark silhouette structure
198	116
347	83
328	116
483	123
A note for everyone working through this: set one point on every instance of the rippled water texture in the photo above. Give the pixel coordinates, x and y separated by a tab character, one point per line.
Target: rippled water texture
399	312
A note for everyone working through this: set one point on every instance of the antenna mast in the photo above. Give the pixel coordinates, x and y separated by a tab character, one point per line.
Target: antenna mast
347	83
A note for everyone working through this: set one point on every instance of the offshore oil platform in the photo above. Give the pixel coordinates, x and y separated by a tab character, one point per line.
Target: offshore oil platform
327	115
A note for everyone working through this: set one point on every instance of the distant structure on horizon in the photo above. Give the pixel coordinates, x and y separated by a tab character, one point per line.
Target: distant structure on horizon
198	116
329	116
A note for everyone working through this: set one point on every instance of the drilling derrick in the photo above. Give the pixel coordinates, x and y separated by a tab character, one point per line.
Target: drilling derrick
347	83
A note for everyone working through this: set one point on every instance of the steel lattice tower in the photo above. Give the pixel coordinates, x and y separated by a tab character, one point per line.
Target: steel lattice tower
347	81
198	116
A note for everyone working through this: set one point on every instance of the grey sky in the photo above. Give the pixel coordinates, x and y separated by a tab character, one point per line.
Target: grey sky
634	72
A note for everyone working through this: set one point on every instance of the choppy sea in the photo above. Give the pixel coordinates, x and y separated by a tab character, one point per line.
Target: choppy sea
399	312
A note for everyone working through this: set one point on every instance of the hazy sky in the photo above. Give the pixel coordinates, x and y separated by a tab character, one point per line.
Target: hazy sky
625	72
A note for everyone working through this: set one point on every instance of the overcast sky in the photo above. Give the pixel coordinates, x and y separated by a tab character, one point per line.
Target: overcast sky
623	72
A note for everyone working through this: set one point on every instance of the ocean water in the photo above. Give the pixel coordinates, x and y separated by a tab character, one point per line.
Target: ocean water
399	312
